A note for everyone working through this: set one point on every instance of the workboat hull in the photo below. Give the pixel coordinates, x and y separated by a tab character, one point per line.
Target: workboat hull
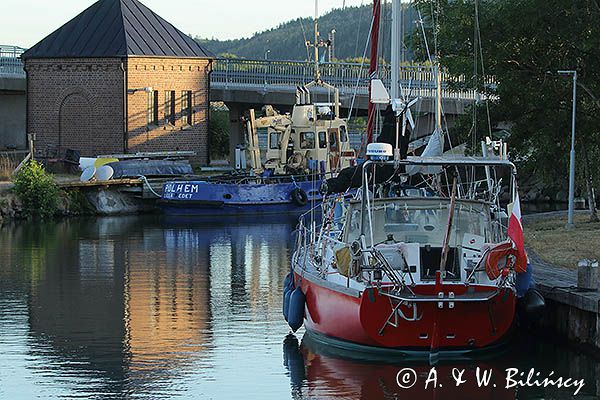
203	198
354	319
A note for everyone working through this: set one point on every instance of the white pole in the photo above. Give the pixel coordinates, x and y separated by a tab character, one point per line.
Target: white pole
396	48
438	97
317	72
570	223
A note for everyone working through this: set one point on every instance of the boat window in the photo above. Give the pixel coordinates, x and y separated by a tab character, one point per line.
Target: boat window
322	140
273	140
333	139
307	140
421	221
343	134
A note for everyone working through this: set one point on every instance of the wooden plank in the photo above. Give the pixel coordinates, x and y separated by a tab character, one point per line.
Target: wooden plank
158	154
560	284
112	182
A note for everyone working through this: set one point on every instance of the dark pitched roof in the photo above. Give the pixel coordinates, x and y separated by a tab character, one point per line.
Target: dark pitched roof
117	28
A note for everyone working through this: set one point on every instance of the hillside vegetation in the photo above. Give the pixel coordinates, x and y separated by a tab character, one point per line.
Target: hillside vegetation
286	41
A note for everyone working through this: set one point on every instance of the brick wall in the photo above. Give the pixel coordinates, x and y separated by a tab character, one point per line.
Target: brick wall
76	104
164	75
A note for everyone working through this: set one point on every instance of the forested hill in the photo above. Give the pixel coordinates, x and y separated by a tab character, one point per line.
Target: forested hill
286	41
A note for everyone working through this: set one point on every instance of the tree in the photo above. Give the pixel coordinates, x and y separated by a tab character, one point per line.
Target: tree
218	132
522	43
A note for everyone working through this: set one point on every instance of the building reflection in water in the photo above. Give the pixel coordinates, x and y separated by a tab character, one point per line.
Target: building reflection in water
156	308
166	300
131	306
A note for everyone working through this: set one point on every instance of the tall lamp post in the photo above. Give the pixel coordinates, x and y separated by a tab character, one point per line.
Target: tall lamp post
570	224
266	68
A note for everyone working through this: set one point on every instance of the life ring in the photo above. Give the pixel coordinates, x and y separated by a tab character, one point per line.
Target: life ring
296	162
299	197
498	255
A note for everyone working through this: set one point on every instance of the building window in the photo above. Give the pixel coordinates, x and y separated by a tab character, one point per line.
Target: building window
153	108
170	107
186	107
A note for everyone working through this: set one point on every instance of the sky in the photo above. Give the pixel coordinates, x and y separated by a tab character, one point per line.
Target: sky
26	22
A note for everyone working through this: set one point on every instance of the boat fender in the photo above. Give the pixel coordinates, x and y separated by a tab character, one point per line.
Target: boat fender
532	305
299	197
288	286
296	309
286	303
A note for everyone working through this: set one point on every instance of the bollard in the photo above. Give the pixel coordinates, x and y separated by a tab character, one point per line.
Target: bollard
587	274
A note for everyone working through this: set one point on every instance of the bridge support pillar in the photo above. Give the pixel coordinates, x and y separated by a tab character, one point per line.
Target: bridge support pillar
236	129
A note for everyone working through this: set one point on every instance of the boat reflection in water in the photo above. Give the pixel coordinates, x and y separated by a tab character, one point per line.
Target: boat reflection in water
318	371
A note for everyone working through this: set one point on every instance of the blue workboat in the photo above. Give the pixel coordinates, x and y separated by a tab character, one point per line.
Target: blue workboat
235	199
302	148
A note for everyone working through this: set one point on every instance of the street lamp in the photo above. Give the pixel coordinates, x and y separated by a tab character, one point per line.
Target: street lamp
332	45
266	68
570	224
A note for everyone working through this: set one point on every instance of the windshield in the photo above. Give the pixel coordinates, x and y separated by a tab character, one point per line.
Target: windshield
421	221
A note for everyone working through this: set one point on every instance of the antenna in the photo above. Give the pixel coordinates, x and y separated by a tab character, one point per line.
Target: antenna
321	43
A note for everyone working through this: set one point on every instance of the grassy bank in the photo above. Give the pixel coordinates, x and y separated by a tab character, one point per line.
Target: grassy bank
556	245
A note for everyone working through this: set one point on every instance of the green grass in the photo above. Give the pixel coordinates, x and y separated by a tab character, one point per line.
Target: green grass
556	245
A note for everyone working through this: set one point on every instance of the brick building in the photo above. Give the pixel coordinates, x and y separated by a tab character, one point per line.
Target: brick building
118	78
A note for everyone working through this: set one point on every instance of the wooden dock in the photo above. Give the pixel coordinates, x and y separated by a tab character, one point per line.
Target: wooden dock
571	313
148	189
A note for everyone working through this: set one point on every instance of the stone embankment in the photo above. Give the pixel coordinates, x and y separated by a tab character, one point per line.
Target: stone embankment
70	203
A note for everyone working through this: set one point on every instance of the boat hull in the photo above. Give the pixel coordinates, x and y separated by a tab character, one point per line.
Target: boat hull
354	318
200	198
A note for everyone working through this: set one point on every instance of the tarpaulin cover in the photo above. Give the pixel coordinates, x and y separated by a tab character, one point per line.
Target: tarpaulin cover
135	168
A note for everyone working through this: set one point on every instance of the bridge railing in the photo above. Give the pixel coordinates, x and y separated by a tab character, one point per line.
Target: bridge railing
240	74
232	73
10	63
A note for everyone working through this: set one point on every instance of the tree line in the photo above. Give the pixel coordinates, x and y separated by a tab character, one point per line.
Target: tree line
523	44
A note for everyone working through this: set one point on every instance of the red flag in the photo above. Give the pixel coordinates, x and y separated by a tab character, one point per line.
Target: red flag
515	233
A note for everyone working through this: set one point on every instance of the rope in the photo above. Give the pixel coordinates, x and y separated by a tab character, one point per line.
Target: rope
362	63
145	181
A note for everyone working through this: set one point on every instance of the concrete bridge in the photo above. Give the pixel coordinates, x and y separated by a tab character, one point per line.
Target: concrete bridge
12	99
242	84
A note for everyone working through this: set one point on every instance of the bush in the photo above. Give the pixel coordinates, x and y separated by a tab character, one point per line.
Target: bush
218	131
36	190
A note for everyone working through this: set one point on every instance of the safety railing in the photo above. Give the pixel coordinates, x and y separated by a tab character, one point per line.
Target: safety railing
239	74
10	61
349	78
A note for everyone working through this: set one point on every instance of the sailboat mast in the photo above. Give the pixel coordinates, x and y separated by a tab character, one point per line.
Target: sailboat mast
317	71
373	64
438	96
396	48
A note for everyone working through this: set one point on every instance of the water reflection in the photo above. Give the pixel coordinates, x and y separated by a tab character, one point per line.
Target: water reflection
164	308
322	372
123	306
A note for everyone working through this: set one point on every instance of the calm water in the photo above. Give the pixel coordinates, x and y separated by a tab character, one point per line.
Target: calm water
135	307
